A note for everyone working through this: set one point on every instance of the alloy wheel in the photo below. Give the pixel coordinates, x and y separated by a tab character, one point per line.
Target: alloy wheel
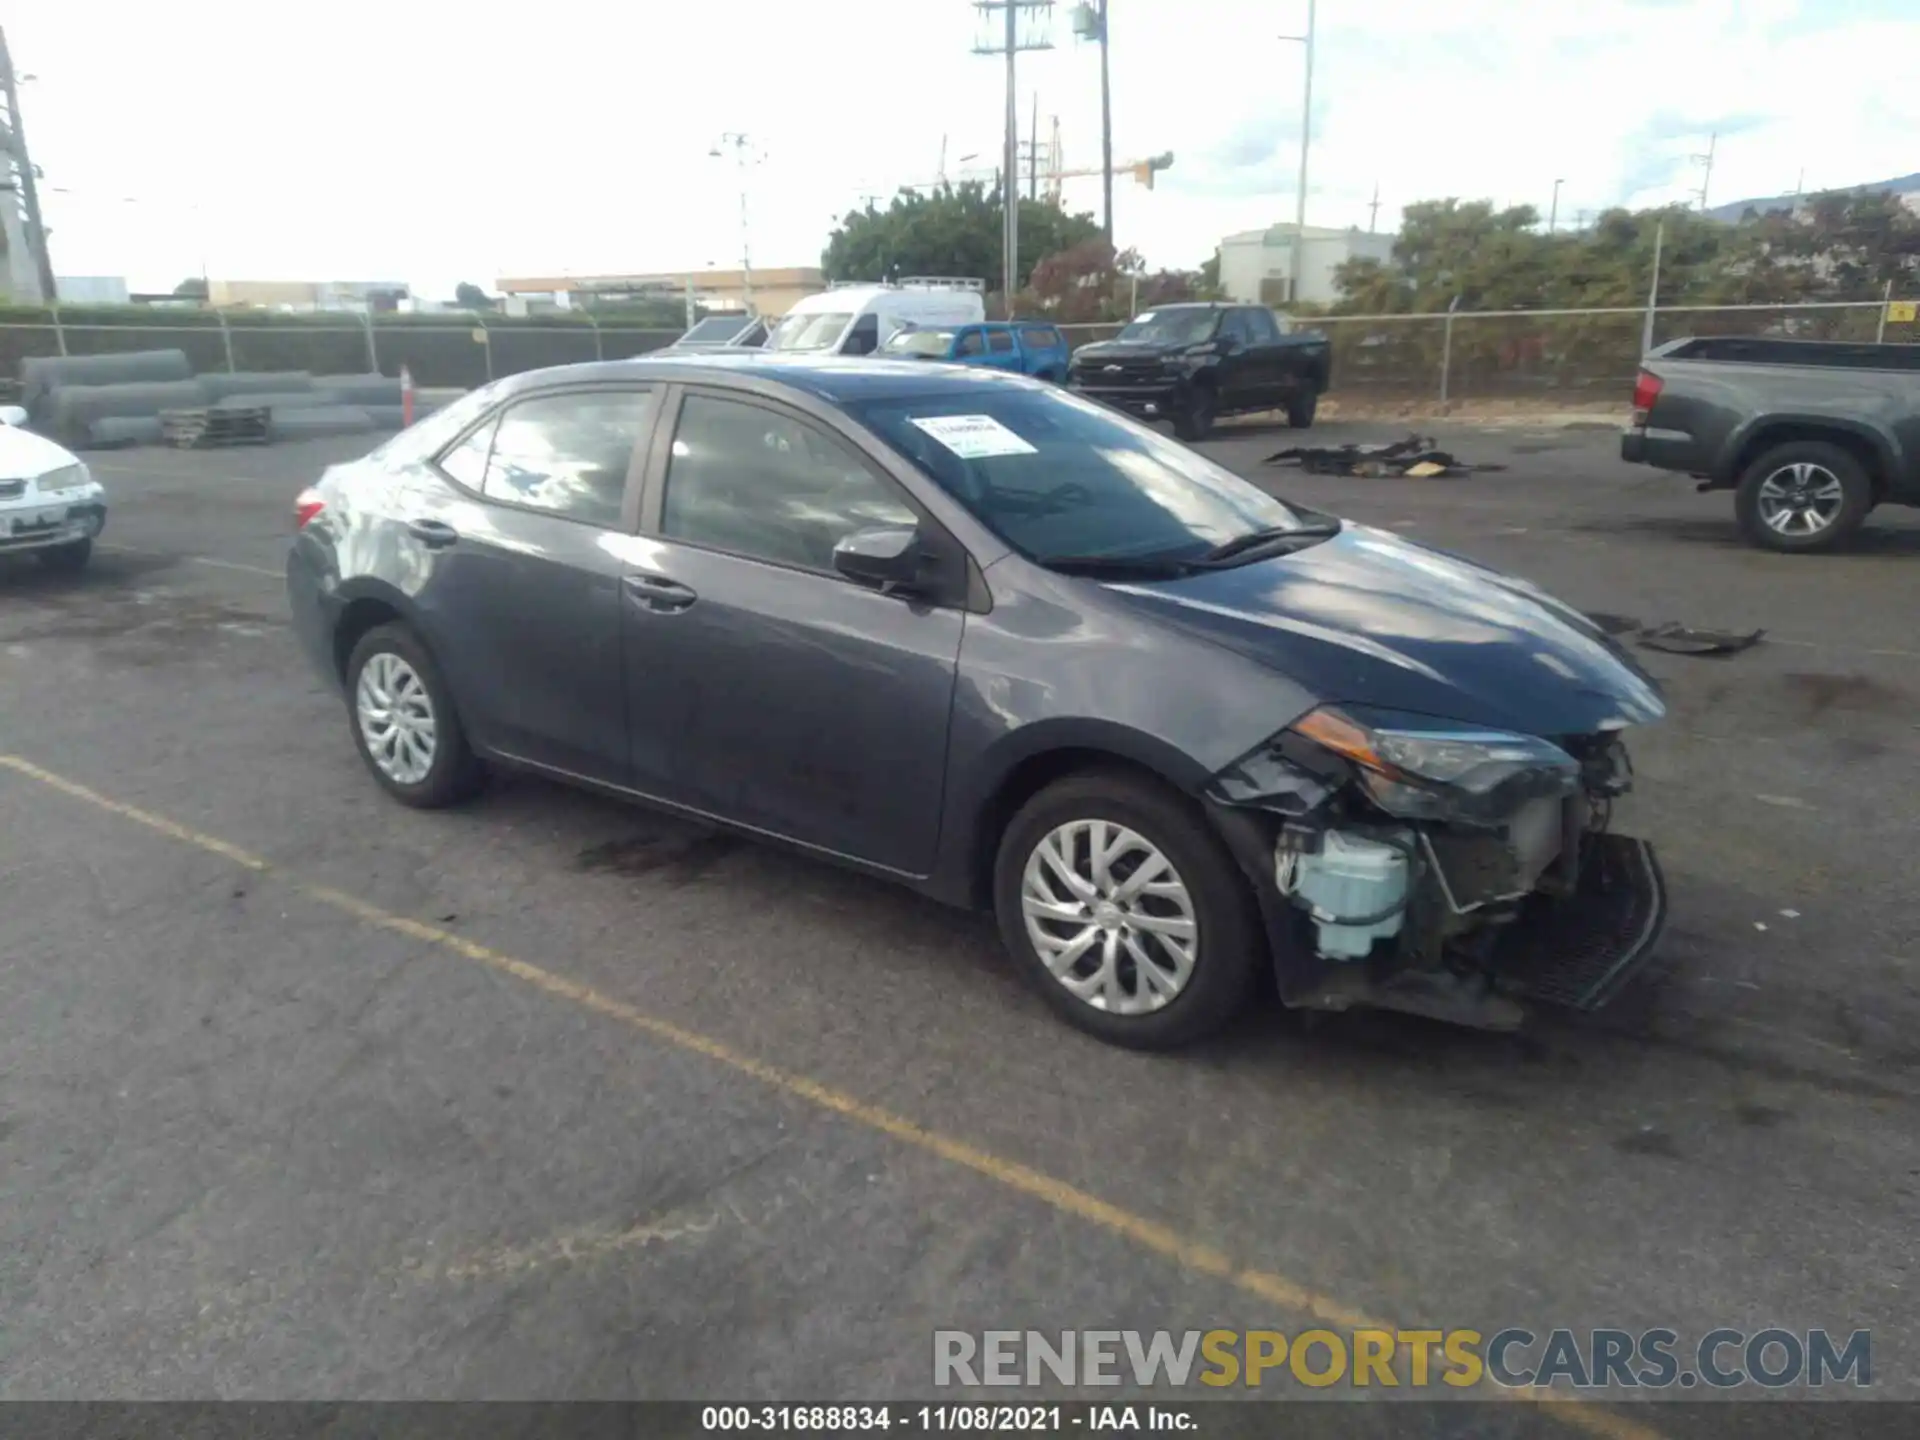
1800	499
396	719
1109	916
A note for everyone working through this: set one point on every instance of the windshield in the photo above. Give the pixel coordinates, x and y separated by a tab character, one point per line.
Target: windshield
920	342
1172	327
1056	476
715	330
809	332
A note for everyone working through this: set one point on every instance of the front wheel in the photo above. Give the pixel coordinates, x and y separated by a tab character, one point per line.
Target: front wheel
1126	911
1801	496
404	723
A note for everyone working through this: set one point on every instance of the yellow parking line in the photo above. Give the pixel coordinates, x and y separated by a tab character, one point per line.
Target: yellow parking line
1163	1240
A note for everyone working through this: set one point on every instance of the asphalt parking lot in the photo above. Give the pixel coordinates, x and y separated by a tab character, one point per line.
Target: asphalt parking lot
303	1094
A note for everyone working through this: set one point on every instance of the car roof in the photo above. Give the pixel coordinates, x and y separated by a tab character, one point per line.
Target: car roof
835	378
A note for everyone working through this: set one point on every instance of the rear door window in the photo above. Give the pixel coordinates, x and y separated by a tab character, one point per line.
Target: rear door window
1000	341
566	454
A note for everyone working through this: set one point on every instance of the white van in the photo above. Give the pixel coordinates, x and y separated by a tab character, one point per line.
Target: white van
858	318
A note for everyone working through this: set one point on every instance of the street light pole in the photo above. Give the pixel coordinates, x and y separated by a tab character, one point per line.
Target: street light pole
1106	135
1553	210
1306	135
739	143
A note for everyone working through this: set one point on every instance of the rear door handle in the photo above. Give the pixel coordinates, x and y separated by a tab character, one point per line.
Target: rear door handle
434	534
657	593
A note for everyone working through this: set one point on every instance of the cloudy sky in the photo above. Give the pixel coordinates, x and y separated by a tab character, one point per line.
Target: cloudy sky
432	142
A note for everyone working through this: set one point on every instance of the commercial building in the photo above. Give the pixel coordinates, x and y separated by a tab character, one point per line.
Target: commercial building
774	291
1256	266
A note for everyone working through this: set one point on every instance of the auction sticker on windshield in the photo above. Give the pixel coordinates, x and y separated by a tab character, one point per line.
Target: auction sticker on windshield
974	437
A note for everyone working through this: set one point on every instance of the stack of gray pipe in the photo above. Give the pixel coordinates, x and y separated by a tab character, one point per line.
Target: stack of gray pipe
73	410
42	375
117	399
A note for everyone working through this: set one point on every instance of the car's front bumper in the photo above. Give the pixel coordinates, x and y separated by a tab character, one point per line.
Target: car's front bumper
39	526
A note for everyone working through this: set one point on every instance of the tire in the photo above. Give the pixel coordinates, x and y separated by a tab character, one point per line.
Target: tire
1228	946
1300	409
454	772
68	559
1803	481
1194	422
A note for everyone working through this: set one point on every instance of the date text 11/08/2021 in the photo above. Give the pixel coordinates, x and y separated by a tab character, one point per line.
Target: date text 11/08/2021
936	1419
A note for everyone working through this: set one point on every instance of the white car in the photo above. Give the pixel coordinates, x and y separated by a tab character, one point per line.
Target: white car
49	501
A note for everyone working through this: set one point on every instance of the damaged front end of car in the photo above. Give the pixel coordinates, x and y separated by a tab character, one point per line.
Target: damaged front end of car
1451	871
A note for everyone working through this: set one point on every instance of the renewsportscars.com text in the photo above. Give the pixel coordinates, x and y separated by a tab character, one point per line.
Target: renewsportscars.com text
1599	1359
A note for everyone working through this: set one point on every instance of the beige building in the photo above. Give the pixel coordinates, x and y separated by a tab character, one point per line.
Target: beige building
1256	266
774	291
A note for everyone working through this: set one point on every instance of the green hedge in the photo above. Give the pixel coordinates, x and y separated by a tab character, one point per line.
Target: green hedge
439	350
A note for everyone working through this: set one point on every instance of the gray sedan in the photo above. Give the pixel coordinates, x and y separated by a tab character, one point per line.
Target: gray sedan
982	637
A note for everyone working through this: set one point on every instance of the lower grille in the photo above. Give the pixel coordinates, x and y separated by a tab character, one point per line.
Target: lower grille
1580	950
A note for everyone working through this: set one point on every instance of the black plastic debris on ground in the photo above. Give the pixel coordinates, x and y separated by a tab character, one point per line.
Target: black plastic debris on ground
1416	457
1675	638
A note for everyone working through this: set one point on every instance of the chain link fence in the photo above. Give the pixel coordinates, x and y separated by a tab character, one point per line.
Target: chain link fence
1564	356
461	352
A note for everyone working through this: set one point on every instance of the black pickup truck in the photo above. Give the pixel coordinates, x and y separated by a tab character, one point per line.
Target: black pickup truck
1193	363
1809	435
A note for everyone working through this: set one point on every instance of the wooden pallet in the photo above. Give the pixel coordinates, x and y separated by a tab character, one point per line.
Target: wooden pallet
207	429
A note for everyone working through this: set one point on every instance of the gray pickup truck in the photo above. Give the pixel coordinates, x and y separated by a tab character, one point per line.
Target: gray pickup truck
1809	435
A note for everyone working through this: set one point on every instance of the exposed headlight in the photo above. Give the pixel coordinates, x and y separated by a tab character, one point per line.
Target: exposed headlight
1422	769
67	477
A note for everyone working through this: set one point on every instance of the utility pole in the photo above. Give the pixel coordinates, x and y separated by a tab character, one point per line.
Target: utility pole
1090	23
1553	210
13	137
1373	209
1306	135
1706	161
1010	46
740	143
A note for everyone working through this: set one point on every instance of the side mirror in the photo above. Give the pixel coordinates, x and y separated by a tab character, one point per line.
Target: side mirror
12	415
886	556
1226	344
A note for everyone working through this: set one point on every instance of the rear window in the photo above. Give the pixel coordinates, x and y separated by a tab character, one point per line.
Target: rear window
1044	337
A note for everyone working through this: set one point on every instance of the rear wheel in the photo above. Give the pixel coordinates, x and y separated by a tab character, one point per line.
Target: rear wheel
1301	407
404	723
67	559
1194	422
1126	911
1804	495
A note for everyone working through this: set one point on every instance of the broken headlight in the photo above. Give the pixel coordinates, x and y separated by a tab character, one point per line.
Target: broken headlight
1418	768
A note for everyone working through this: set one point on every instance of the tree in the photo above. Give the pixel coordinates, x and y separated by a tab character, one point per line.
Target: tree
956	230
1208	286
471	296
193	288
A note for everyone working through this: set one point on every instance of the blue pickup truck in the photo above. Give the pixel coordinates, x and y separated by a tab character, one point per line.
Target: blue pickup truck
1031	347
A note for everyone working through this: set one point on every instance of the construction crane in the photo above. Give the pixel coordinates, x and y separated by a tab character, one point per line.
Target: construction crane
1142	171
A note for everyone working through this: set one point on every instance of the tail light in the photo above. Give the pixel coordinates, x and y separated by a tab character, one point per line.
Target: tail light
1646	390
306	505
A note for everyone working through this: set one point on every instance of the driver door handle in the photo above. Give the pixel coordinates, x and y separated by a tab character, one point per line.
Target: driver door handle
434	534
659	594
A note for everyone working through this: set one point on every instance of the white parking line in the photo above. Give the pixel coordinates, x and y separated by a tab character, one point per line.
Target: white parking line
193	559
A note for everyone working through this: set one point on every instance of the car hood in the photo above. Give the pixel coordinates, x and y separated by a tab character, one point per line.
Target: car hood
24	454
1366	618
1109	350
